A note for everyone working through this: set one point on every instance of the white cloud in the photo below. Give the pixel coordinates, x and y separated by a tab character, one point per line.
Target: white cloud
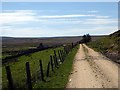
100	21
23	32
71	16
60	21
13	17
79	21
17	17
102	16
94	11
26	16
50	32
65	16
96	30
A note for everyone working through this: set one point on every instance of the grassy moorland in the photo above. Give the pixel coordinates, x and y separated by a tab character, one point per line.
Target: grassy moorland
110	46
16	44
18	70
13	46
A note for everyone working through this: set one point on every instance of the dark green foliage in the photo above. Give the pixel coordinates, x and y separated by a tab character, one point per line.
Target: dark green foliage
86	38
114	35
40	46
107	44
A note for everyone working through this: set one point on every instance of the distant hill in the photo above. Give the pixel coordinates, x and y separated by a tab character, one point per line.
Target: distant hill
94	36
115	34
18	43
109	46
3	37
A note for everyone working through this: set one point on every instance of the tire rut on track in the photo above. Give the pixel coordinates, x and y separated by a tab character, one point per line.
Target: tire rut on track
92	70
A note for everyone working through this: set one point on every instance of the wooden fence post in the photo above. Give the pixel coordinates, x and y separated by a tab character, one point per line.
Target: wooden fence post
41	68
55	57
54	52
9	77
69	48
59	55
56	60
28	76
55	63
51	63
62	55
64	52
72	45
48	68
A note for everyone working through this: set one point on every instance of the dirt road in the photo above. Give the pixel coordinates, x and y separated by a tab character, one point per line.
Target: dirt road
93	70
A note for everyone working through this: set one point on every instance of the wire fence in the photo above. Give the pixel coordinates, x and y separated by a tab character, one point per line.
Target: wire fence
42	71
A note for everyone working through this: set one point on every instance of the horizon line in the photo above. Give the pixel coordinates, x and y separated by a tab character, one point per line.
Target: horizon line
46	36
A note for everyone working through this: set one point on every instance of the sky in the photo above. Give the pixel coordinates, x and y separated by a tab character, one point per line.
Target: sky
60	0
53	19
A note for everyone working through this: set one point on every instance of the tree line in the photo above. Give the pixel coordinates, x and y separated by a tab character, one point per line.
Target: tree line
85	38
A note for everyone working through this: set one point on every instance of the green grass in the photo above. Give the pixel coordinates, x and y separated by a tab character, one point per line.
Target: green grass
109	43
16	47
18	70
60	78
104	44
6	55
0	76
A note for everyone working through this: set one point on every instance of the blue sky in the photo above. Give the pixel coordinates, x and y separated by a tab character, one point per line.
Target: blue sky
51	19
